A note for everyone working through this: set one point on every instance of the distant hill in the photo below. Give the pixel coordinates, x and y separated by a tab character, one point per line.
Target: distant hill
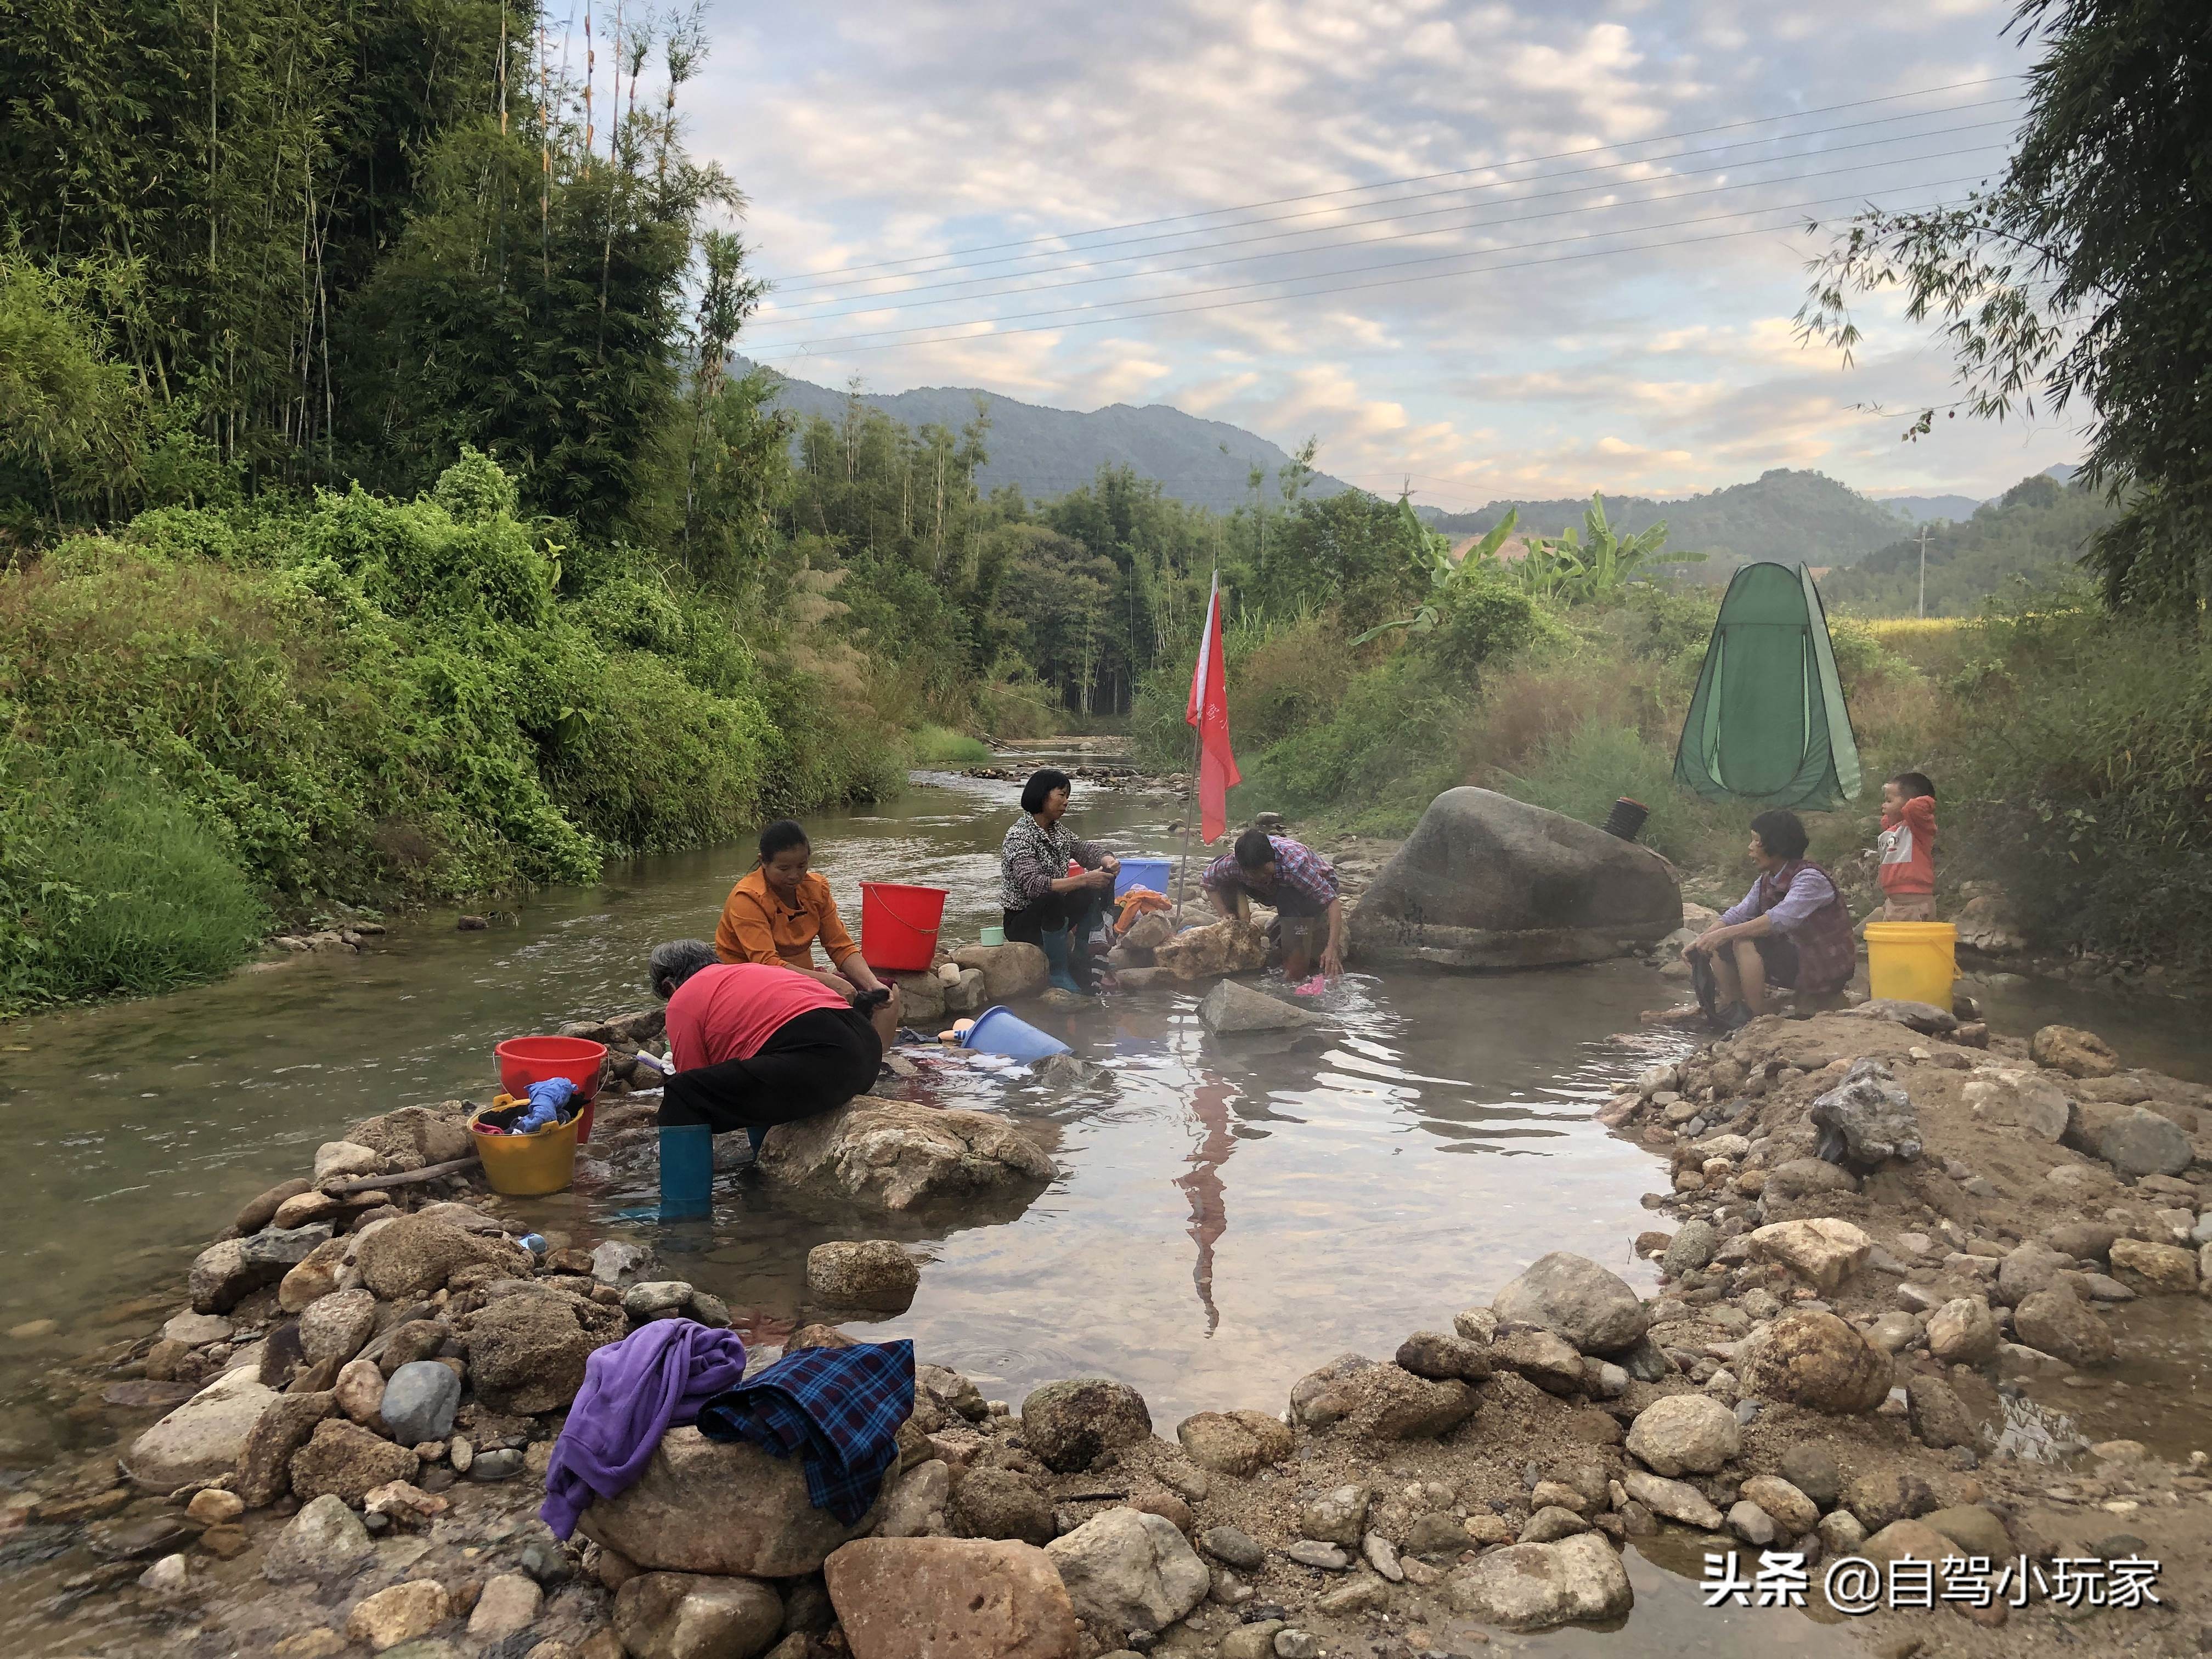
2036	529
1930	509
1049	452
1784	515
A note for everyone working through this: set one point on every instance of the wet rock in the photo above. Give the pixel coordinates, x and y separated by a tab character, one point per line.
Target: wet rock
1128	1570
928	1598
1803	1177
345	1459
1337	1516
669	1615
1879	1497
258	1212
2134	1139
1840	1533
657	1298
197	1330
2162	1269
1528	1587
1239	1442
501	1464
1230	1008
1011	971
526	1353
1212	950
1685	1433
2056	1322
1816	1360
873	1273
1677	1500
265	1466
1823	1251
1751	1523
1963	1331
171	1576
990	1503
1486	881
215	1507
201	1438
419	1401
725	1509
337	1326
412	1138
1067	1425
1794	1510
916	1507
507	1606
1441	1358
409	1258
1544	1358
621	1265
1589	1308
905	1156
398	1614
1937	1416
2073	1051
226	1273
325	1542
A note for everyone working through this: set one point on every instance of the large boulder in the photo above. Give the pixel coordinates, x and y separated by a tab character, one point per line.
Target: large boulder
414	1137
922	1598
720	1507
1963	1331
526	1353
201	1438
992	1503
1067	1425
228	1271
2059	1322
411	1257
1867	1118
1230	1009
1535	1586
906	1157
1816	1360
1486	881
2134	1139
1571	1296
1238	1442
1824	1251
1382	1402
674	1615
1011	971
2026	1100
336	1325
871	1272
1130	1571
265	1466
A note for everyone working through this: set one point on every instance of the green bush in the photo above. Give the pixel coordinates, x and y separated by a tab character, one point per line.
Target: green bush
938	746
1585	772
111	882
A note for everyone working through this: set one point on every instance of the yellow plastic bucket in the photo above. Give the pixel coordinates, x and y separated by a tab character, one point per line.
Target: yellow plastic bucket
528	1166
1912	961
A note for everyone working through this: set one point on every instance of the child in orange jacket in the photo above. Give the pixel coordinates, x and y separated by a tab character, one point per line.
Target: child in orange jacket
1908	847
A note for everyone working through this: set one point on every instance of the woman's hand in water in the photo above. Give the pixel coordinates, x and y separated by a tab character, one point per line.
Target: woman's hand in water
1332	961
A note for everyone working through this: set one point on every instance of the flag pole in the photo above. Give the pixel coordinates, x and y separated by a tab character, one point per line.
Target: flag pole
1197	738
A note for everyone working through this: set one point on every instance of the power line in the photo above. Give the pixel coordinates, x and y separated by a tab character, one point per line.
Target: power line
1394	264
1417	179
873	307
1426	195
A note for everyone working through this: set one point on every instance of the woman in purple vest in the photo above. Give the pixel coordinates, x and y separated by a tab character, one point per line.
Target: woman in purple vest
1790	929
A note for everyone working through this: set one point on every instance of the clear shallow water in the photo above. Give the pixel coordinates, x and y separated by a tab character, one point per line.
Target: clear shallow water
1230	1214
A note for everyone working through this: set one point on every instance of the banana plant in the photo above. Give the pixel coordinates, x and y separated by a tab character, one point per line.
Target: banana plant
1570	570
1431	555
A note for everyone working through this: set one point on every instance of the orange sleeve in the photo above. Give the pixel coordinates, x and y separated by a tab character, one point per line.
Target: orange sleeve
836	943
1920	813
744	934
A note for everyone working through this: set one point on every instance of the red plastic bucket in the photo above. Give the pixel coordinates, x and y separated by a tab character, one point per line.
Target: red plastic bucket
899	923
525	1060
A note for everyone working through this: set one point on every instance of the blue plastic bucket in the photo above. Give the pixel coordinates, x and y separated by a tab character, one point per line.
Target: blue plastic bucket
1154	873
997	1032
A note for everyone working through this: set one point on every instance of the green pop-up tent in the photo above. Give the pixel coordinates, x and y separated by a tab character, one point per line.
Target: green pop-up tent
1767	724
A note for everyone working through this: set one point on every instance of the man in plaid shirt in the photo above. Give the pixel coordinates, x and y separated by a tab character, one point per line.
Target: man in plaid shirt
1299	883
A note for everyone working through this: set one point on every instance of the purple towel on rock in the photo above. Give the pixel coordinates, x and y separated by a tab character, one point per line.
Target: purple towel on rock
635	1391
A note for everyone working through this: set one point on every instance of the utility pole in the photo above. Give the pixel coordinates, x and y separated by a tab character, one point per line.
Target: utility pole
1923	571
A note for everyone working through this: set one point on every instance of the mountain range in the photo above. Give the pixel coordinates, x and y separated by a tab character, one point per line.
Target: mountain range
1783	514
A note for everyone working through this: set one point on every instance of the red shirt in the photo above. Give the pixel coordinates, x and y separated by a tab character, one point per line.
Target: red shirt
729	1010
1908	847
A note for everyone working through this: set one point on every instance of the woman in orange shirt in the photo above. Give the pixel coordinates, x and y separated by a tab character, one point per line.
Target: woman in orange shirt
775	913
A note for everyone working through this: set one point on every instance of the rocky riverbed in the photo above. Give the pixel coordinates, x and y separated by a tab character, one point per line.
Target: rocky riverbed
1890	1232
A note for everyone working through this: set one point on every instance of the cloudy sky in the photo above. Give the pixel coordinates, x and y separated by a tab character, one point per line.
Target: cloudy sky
1508	249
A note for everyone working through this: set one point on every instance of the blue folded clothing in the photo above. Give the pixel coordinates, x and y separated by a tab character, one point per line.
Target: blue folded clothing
839	1408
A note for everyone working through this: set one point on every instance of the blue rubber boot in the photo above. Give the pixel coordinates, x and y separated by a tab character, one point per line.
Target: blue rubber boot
1056	943
686	1171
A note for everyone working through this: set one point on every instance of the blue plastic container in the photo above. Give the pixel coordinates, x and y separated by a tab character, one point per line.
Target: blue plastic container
997	1032
1154	873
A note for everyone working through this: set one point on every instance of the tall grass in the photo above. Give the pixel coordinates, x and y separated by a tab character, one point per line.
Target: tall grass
938	746
111	883
1582	771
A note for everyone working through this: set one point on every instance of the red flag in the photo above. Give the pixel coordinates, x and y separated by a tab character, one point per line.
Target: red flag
1209	712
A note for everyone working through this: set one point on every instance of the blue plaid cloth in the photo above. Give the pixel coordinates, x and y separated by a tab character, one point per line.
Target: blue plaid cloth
840	1408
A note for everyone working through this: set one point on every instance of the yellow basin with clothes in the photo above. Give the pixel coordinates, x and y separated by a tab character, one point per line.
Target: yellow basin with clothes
525	1166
